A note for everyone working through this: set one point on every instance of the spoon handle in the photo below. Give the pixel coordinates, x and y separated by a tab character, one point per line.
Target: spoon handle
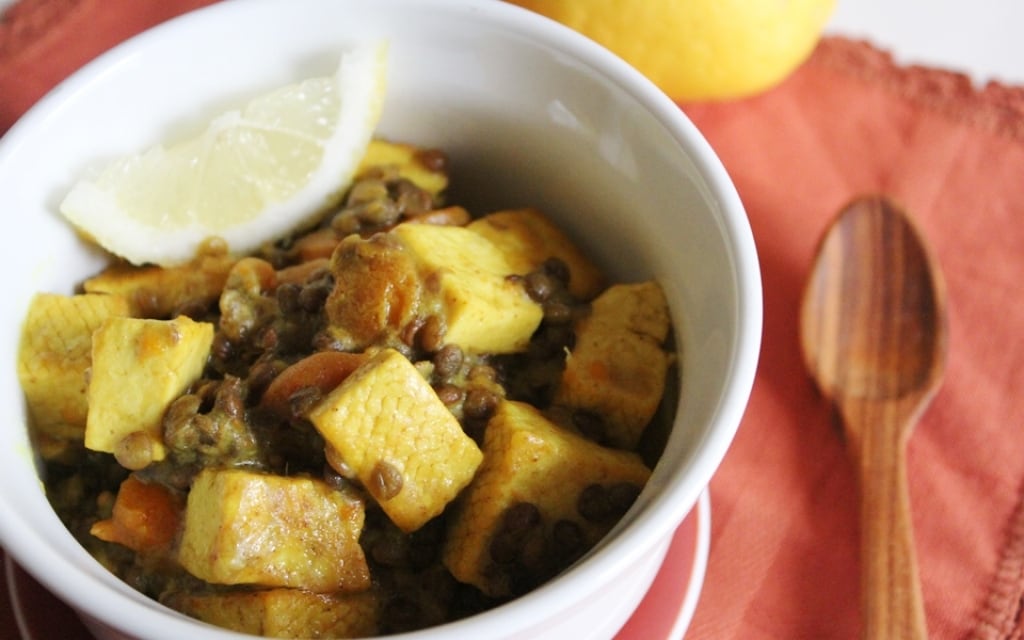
890	587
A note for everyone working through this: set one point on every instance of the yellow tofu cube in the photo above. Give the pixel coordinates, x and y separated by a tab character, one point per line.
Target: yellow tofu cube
286	613
54	357
385	426
617	368
139	367
527	238
532	466
410	163
484	310
158	292
243	527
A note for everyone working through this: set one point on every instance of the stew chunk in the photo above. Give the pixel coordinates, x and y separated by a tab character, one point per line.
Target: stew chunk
527	238
542	497
417	272
139	367
617	368
56	353
286	613
385	426
485	311
250	528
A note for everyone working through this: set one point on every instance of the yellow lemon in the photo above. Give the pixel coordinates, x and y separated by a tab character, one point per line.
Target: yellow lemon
251	175
700	49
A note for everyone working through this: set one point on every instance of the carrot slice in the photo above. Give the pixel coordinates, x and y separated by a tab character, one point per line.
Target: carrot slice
324	371
145	517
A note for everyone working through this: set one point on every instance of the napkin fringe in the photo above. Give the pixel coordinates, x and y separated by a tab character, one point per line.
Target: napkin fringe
995	107
1000	617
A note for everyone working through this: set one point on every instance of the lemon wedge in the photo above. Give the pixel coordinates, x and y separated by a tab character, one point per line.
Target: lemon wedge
252	175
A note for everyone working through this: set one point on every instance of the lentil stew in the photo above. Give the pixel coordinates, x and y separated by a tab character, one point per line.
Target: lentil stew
403	416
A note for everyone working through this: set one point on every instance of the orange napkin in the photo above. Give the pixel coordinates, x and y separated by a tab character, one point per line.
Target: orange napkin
42	41
784	549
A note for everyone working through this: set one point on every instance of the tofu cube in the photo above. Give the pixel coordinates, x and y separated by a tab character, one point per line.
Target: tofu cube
54	357
529	460
286	613
527	238
385	426
484	310
139	367
617	367
243	527
410	163
157	292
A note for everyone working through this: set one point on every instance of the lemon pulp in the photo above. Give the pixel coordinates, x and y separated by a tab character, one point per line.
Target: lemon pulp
252	175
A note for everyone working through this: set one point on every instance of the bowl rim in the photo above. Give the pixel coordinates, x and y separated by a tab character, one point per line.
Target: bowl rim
76	585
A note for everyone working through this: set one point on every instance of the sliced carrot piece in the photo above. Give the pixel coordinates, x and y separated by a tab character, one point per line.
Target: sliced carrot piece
145	517
324	370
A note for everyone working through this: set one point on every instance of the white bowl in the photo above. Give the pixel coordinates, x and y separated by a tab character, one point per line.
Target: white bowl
531	114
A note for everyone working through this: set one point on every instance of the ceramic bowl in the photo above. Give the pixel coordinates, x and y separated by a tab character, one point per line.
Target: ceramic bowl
531	114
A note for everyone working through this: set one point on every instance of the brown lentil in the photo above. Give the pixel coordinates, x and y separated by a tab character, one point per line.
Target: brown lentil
483	373
567	537
229	398
222	349
432	159
411	200
539	285
312	297
385	481
377	213
448	361
593	504
450	394
135	451
409	331
534	554
288	297
505	547
480	403
367	190
557	312
345	223
431	335
557	269
621	496
520	517
262	374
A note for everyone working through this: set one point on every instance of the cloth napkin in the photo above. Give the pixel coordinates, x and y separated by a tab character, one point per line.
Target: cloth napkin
784	549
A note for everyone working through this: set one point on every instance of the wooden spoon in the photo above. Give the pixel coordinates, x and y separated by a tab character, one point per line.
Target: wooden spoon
873	333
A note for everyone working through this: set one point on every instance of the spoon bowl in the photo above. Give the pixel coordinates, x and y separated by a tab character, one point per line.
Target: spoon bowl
873	333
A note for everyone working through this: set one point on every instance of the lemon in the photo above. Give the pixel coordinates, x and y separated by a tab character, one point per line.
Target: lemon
250	176
700	49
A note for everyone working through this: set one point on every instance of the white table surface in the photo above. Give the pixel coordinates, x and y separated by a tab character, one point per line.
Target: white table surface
982	37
